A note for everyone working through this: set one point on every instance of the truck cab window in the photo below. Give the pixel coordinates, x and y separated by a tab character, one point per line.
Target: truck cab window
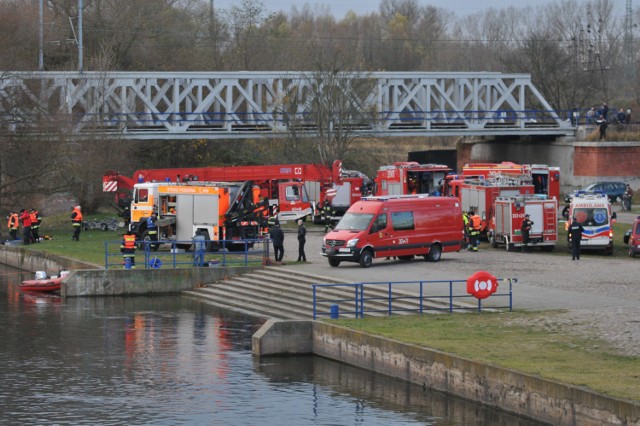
141	195
379	224
293	193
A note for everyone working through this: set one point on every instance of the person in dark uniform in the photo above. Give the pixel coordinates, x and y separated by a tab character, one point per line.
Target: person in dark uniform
302	239
327	213
526	228
575	232
277	237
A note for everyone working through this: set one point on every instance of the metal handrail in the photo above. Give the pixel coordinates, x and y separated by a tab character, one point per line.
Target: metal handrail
411	291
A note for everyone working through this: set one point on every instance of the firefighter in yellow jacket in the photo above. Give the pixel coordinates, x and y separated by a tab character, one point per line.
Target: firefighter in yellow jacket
475	223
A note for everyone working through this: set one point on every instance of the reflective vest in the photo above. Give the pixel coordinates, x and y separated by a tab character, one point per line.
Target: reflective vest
76	217
129	242
13	221
34	219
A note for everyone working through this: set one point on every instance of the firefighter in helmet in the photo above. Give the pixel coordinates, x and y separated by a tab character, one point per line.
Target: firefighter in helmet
465	222
128	249
475	223
327	213
525	228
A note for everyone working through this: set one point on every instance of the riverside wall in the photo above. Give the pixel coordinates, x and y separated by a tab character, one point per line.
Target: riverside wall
87	280
518	393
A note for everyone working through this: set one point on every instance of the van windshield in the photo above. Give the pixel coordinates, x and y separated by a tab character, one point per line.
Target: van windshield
591	216
354	222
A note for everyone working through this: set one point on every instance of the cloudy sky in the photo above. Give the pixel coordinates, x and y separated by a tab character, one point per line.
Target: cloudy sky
340	7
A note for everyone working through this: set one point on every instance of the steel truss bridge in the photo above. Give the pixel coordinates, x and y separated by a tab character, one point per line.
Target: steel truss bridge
217	105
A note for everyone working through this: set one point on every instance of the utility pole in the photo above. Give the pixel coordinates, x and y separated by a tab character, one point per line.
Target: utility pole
80	7
41	38
629	62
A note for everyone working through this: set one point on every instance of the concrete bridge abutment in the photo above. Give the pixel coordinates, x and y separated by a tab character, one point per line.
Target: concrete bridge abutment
580	162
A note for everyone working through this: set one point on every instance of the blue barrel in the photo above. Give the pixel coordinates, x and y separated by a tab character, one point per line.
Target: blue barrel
127	263
334	312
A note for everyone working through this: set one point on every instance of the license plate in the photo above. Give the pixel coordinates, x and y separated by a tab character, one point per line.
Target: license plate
345	250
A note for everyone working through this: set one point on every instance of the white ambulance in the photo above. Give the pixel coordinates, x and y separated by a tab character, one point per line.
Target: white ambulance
593	211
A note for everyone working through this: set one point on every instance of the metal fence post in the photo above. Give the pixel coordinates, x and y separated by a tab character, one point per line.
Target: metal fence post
106	255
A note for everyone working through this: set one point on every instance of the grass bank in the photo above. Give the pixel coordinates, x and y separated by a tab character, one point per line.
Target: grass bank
522	341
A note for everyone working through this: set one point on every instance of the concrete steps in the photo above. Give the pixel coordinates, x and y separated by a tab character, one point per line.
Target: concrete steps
279	293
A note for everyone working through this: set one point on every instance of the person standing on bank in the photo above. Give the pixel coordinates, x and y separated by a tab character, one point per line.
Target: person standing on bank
526	228
199	247
128	249
277	237
602	127
13	224
25	217
575	231
76	221
302	239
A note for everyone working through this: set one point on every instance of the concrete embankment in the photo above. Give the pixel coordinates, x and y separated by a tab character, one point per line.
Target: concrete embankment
522	394
87	280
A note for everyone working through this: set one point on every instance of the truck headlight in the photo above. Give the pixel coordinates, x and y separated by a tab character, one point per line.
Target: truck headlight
352	243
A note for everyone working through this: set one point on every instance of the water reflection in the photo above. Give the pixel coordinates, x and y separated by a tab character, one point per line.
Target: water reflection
173	360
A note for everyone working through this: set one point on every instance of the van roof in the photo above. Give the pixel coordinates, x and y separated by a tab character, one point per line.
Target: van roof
396	197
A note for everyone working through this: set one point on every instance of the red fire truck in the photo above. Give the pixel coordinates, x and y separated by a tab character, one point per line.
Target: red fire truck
405	178
505	227
545	179
479	194
297	190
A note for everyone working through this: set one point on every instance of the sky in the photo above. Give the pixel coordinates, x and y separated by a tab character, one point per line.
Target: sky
362	7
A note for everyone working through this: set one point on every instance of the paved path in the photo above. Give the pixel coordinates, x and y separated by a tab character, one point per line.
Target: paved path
601	295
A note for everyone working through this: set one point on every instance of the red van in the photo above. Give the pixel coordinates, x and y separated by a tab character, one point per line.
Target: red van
402	226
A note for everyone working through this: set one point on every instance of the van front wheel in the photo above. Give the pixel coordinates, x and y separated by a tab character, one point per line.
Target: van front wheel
334	262
435	253
366	259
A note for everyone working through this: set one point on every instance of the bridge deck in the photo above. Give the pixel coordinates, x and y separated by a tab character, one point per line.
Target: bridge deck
276	104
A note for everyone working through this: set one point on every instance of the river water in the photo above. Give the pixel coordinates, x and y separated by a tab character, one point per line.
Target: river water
174	360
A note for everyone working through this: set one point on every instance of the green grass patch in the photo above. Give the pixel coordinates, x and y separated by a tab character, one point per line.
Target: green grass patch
517	341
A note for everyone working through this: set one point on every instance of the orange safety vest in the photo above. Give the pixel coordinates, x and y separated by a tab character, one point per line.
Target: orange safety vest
13	221
476	222
129	241
34	217
78	218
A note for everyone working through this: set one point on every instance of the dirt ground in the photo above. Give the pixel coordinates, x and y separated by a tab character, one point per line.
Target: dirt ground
598	295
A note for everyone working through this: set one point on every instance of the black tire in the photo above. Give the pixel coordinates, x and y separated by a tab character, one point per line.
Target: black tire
492	241
366	258
334	262
146	238
435	253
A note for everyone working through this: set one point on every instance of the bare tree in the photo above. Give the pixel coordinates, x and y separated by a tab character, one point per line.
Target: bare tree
332	104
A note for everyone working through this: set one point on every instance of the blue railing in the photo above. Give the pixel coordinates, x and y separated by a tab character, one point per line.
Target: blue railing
387	297
171	254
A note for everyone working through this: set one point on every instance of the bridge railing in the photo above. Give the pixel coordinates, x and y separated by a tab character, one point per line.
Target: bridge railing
172	254
398	297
